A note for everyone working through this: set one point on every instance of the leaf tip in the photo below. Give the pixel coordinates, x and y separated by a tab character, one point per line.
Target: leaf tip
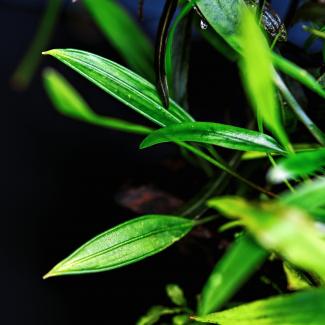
144	144
47	275
50	52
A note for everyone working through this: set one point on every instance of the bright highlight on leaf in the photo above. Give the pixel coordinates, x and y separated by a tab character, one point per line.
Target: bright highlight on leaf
227	136
258	73
123	84
127	243
300	164
284	229
295	309
70	103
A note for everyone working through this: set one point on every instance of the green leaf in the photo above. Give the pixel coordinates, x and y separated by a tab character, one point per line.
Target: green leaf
295	279
224	16
300	164
298	73
123	84
176	294
227	136
70	103
295	309
178	54
234	268
124	244
257	74
284	229
309	196
154	313
26	69
124	34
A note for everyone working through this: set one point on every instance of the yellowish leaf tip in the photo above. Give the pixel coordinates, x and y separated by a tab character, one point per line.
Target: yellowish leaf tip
49	52
49	274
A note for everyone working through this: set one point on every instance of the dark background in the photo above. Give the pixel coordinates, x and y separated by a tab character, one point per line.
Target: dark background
60	178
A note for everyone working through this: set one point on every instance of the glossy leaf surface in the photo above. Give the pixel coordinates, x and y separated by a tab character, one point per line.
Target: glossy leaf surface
295	309
234	268
127	243
70	103
223	135
123	84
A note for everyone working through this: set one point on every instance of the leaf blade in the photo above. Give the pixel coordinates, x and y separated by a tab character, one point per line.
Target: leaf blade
70	103
133	45
124	244
223	135
257	74
295	309
123	84
284	229
238	263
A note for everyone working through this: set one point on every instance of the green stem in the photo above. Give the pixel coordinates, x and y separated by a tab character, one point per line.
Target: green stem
197	206
26	69
225	168
303	117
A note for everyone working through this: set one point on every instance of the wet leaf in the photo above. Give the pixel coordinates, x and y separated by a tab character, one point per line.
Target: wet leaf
123	84
223	135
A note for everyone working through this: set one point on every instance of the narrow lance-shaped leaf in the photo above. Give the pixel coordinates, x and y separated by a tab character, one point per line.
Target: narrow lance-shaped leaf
125	35
127	243
123	84
178	53
239	262
281	228
70	103
26	69
257	74
295	309
227	136
300	164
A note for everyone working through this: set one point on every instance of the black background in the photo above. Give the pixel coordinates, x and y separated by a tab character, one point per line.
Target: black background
60	176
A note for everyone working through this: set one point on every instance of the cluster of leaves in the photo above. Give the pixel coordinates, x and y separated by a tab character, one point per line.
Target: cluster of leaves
286	225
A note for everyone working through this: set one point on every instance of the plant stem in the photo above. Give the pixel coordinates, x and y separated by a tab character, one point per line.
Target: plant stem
298	110
197	206
225	168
